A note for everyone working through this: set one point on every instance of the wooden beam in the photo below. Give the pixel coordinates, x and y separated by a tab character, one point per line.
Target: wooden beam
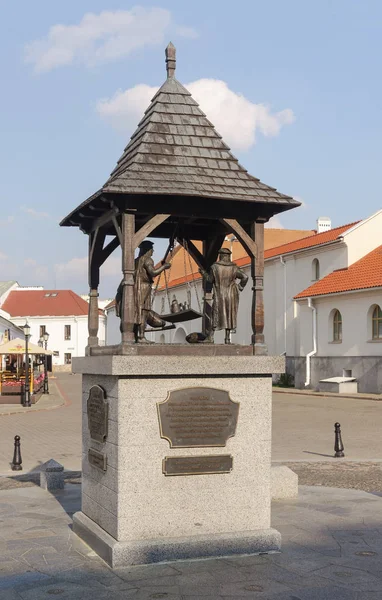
194	252
257	271
118	229
248	243
128	303
147	228
107	250
104	219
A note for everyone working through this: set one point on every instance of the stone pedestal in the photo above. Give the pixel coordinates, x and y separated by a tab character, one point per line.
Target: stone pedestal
132	513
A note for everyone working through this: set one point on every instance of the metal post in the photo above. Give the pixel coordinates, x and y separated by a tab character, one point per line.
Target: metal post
27	390
46	382
17	461
338	445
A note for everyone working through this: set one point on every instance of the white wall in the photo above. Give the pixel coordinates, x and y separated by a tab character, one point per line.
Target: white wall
55	326
6	326
355	309
364	237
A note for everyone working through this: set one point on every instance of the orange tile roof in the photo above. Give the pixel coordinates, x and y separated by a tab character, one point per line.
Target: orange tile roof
45	303
185	269
364	274
308	242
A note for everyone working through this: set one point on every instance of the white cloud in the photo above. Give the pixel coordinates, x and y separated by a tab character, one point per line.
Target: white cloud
303	203
236	118
275	223
77	268
3	256
103	37
30	262
36	214
7	220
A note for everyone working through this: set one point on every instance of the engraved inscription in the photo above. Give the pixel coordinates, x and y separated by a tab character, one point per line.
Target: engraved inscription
97	409
97	459
198	417
197	465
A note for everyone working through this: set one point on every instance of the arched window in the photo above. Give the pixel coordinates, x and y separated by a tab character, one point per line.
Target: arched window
315	270
377	323
337	326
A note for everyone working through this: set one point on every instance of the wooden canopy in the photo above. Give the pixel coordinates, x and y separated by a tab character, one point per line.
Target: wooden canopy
176	178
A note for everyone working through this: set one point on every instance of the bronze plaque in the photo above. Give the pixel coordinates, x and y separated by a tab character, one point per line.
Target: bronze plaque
97	459
97	413
197	465
197	417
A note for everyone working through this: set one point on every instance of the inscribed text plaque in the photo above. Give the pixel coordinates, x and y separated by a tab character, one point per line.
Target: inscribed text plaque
197	417
97	409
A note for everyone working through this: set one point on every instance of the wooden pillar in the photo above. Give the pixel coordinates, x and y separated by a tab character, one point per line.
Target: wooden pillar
257	272
93	314
207	301
128	303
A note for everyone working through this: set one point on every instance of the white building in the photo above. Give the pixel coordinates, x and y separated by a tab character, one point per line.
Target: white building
61	313
322	300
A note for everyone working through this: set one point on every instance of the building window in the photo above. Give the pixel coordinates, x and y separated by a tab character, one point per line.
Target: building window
315	270
377	323
42	330
337	326
68	332
68	358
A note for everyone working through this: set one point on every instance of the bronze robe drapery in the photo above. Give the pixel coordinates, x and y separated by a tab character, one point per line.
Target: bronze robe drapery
144	265
223	275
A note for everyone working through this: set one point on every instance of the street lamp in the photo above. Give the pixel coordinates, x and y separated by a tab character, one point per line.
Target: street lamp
46	382
27	398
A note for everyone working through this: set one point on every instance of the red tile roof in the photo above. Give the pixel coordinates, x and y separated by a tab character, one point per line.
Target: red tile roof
177	276
44	303
364	274
308	242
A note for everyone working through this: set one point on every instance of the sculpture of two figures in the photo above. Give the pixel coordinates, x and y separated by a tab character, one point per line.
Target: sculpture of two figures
223	275
144	275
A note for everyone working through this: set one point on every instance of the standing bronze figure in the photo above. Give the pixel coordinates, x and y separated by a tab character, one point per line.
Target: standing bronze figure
223	275
143	279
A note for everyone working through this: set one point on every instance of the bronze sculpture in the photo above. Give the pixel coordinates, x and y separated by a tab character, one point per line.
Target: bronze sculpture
144	275
223	275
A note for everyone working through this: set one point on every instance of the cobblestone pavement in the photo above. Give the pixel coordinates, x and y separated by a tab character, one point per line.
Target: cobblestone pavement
302	429
48	433
366	476
332	550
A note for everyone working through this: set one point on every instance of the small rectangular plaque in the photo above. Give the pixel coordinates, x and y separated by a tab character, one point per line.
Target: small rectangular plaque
97	459
197	465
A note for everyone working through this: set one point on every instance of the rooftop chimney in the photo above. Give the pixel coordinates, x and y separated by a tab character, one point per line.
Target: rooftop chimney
323	224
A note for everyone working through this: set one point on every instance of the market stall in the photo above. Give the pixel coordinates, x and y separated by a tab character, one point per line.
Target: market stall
13	371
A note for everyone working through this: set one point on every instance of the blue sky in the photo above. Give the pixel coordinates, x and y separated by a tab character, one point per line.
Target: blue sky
295	87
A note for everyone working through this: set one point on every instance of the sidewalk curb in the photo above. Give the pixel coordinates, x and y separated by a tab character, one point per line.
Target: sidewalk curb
298	392
64	398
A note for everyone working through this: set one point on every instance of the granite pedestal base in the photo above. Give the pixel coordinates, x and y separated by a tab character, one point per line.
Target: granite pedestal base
134	514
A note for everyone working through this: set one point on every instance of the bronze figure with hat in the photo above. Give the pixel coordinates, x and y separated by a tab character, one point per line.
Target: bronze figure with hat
144	275
224	274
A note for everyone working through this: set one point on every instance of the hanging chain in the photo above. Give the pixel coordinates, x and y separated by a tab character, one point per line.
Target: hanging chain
166	282
192	275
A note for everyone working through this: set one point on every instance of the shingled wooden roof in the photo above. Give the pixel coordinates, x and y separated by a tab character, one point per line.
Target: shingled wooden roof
176	151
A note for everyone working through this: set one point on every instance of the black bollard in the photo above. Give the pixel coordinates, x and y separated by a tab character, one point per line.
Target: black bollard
17	461
338	445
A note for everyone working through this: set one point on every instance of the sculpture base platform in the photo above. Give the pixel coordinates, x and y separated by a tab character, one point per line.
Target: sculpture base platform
134	511
121	554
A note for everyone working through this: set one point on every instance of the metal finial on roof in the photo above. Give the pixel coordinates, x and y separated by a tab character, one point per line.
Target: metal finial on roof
170	59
